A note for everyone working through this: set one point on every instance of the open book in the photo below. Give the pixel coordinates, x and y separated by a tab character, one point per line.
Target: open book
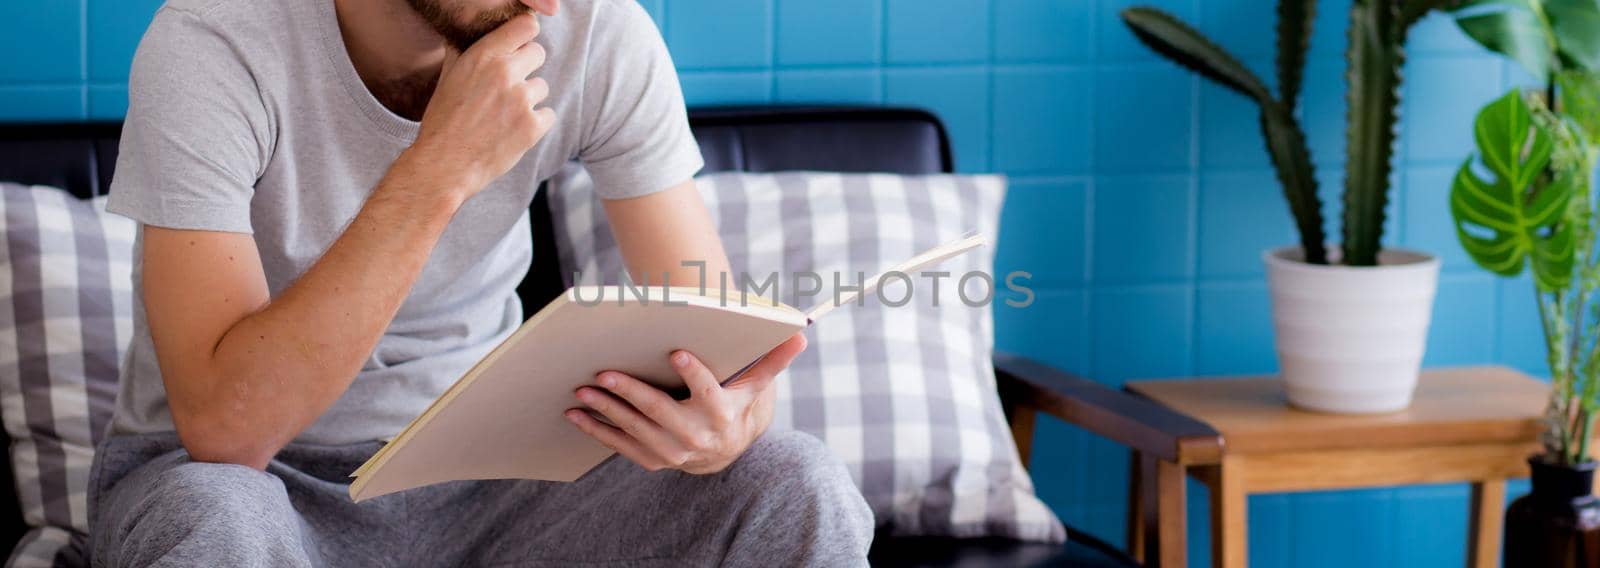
503	418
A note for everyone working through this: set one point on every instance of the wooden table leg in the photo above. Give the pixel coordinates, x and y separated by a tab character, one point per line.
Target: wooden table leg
1136	501
1171	530
1487	515
1229	526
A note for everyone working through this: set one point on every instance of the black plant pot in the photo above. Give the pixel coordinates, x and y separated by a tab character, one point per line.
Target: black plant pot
1557	525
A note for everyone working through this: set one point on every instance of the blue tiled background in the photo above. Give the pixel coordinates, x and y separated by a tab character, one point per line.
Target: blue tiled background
1141	197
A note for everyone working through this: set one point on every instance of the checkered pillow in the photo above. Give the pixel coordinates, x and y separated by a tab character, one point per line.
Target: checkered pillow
905	396
65	319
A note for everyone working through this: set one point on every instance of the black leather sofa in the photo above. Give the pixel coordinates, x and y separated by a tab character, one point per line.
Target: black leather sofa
80	157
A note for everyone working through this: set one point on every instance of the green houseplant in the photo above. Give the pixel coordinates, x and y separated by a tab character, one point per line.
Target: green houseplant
1350	324
1530	205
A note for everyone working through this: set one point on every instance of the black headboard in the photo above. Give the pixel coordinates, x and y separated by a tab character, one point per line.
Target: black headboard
835	139
80	157
77	157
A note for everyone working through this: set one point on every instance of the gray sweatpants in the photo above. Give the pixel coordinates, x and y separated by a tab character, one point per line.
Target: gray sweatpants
787	501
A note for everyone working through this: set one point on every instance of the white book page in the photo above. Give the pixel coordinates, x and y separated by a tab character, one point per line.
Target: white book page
910	266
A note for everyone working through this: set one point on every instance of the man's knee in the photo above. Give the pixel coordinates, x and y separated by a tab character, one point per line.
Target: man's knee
778	454
197	489
795	468
209	502
804	505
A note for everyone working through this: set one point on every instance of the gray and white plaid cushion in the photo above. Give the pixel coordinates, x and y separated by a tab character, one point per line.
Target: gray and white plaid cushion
65	319
905	396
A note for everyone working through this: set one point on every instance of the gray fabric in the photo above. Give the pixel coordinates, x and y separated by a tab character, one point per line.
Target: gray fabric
904	395
785	502
64	324
249	117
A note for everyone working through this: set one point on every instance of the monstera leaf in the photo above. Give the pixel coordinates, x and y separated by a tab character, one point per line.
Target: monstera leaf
1574	22
1513	28
1545	36
1504	223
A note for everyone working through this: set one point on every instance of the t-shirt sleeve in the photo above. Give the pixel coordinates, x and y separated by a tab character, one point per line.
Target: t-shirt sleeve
197	134
636	137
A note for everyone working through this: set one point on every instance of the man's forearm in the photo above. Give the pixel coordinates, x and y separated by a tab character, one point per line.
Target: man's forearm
669	235
279	368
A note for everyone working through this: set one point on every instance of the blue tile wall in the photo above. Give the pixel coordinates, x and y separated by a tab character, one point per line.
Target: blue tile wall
1223	22
1322	109
1431	228
830	32
832	86
1520	338
1061	341
937	31
1143	229
1230	136
1144	118
739	37
1233	329
113	31
41	102
1051	247
1116	45
1043	31
1362	521
1439	92
1242	213
1141	197
34	29
728	87
1042	126
1464	335
1140	332
959	94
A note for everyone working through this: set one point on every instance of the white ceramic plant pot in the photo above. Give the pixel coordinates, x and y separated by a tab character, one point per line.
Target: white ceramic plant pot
1350	339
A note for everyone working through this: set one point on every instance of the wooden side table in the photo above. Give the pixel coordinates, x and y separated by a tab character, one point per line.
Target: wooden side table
1476	425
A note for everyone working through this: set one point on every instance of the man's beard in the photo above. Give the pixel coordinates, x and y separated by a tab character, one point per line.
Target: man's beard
447	20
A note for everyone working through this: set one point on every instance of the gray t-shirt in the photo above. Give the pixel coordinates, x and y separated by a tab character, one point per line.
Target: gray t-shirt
248	116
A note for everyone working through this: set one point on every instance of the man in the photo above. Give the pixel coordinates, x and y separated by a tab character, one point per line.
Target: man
333	200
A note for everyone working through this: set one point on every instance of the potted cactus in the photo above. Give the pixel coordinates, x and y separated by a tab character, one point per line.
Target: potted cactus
1351	323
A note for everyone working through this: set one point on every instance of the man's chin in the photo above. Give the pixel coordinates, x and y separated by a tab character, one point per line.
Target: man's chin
448	23
491	20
